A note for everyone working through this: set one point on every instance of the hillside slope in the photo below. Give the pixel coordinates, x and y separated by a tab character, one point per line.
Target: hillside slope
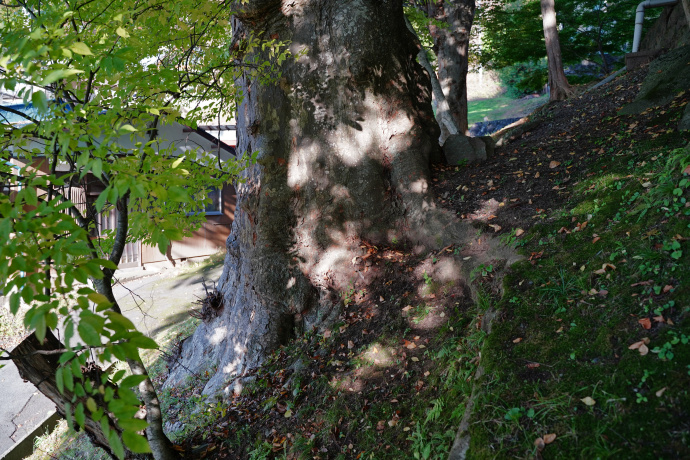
579	351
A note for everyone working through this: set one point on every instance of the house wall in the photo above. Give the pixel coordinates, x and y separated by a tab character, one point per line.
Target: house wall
209	239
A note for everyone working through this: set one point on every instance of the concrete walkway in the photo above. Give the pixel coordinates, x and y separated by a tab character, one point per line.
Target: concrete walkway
153	300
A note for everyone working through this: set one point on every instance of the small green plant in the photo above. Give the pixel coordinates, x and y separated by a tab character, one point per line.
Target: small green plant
665	352
514	414
482	271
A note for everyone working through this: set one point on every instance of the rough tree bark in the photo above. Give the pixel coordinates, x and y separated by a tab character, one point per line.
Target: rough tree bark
452	47
558	83
345	139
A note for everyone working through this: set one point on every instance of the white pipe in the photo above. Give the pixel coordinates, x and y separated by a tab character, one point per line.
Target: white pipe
639	18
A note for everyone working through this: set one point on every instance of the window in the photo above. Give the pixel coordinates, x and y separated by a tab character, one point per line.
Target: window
215	207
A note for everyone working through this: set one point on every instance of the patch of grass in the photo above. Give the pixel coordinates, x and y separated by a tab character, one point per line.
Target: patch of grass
593	344
63	443
500	107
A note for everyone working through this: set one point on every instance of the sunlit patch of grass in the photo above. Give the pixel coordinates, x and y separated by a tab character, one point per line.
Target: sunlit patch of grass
63	443
500	107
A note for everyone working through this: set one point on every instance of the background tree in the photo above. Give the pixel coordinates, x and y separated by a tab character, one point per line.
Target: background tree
591	30
559	88
102	79
451	45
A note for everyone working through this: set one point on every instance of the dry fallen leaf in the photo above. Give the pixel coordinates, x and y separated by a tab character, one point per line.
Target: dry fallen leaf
518	340
533	365
660	392
644	350
497	228
645	323
588	401
326	334
636	345
595	239
415	359
350	344
539	444
519	232
536	176
549	438
667	288
659	319
554	164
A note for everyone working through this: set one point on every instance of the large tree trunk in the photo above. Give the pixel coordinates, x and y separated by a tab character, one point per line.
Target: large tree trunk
345	138
452	50
558	83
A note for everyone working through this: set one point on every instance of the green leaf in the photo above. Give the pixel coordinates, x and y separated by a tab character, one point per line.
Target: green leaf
81	48
178	194
177	162
122	32
31	196
66	357
68	378
59	74
38	99
132	381
79	415
118	375
98	299
89	335
119	319
133	424
136	442
58	380
142	341
100	201
97	167
15	300
116	444
91	405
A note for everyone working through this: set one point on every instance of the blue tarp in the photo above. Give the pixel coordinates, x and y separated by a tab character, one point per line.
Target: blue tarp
9	117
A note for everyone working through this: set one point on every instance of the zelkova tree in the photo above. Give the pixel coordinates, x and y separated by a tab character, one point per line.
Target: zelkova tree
559	88
103	78
344	141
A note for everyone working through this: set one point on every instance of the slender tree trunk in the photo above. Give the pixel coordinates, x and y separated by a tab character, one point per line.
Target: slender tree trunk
604	64
345	138
558	83
452	50
161	447
445	120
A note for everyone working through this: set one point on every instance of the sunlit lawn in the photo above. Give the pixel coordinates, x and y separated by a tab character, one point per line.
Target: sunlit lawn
500	107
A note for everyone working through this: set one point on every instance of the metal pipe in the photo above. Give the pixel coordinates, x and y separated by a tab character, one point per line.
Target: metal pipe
639	18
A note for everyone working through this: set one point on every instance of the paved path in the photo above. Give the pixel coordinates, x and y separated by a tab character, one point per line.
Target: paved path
22	409
153	302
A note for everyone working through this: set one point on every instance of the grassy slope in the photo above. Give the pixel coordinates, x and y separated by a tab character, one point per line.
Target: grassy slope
397	386
570	317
